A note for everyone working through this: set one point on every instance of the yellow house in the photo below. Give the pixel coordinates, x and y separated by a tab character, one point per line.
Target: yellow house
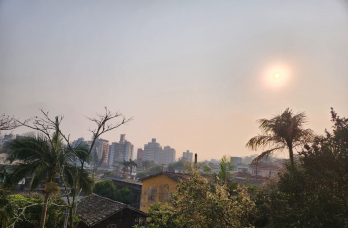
158	188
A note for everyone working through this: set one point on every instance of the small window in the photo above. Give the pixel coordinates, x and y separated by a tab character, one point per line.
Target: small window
111	226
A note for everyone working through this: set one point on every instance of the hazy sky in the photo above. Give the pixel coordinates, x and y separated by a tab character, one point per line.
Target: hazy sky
196	75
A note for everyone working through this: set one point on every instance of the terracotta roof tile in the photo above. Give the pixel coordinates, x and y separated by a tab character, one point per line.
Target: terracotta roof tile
174	176
94	208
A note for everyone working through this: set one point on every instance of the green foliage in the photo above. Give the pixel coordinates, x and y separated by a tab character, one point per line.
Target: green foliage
25	212
225	167
199	203
107	189
284	131
153	170
147	164
176	165
315	193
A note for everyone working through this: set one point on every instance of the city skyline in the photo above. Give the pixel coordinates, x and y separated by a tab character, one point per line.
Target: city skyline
193	75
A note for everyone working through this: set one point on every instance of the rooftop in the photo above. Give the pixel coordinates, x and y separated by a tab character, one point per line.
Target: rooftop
127	180
174	176
94	208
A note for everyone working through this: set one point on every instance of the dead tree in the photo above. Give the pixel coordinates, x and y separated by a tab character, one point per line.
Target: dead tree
46	125
7	123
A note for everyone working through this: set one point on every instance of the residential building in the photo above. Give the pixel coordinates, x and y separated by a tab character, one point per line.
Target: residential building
265	170
187	156
6	138
244	168
235	161
9	137
167	156
95	211
152	151
140	154
159	188
120	151
102	148
78	141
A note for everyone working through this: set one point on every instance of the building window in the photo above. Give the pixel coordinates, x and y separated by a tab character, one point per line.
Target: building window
111	226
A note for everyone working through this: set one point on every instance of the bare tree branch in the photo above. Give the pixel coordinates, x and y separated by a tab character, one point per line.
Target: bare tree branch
7	122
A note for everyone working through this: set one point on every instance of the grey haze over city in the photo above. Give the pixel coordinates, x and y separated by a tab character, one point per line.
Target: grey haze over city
195	75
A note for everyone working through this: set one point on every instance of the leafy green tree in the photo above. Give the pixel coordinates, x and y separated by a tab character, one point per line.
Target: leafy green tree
199	203
141	174
73	173
225	167
131	164
155	169
107	189
124	195
176	165
284	131
146	164
23	211
315	193
41	158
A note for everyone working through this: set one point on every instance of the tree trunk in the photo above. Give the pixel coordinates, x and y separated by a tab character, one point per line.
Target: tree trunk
44	211
291	155
71	215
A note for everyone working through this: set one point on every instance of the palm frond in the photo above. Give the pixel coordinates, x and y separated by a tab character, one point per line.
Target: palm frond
262	141
266	153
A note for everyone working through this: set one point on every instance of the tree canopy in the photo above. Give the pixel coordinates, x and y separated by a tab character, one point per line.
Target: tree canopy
284	131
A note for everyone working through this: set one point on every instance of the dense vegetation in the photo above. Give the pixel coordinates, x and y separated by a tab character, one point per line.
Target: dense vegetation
310	192
20	211
107	189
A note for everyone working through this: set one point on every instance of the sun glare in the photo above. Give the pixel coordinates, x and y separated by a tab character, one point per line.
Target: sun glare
277	75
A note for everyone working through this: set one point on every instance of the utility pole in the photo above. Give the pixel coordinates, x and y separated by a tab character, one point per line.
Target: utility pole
256	170
196	160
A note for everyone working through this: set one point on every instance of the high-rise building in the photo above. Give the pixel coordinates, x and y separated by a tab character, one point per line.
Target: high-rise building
152	151
168	155
236	160
120	151
140	154
187	156
101	147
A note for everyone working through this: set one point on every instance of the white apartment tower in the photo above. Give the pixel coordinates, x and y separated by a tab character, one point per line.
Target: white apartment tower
168	155
152	151
187	156
121	151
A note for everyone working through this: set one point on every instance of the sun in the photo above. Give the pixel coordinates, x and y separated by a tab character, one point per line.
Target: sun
277	75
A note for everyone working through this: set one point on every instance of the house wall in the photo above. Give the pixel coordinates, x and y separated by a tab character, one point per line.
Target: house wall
265	172
156	189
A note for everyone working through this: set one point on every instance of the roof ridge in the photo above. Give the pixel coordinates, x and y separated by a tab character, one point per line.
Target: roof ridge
108	199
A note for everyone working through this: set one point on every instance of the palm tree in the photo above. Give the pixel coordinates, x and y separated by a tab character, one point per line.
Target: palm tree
225	167
40	158
44	158
125	166
131	164
284	131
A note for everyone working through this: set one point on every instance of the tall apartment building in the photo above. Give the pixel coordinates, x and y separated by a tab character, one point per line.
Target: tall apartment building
152	151
187	156
140	154
120	151
102	148
168	155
